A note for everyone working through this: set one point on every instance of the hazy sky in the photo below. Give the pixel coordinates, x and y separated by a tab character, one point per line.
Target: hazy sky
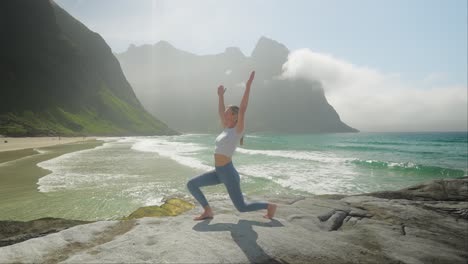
393	65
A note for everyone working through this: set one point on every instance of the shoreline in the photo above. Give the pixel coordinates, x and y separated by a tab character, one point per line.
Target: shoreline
16	148
21	143
19	173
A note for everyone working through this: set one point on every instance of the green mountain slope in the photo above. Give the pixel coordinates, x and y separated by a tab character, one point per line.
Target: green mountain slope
59	78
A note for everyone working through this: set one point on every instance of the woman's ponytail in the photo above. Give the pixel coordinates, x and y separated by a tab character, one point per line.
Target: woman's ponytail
242	141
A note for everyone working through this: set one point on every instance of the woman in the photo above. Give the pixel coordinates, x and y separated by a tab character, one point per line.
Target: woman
232	119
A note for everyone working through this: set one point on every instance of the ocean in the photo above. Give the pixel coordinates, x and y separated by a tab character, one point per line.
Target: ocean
112	180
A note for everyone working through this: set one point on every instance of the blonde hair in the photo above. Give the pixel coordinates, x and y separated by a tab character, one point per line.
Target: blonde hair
235	111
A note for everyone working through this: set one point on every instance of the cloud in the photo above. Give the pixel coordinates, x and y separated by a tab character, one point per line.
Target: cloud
374	101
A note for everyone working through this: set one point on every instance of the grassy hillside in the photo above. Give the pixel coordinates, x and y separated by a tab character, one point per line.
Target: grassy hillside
116	117
57	77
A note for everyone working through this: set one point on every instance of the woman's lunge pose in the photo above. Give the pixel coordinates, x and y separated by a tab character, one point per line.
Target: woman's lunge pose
232	119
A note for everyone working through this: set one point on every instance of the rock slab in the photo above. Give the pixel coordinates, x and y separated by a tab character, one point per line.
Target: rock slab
350	229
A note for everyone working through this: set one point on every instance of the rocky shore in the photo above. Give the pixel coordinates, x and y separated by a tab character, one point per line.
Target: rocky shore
427	223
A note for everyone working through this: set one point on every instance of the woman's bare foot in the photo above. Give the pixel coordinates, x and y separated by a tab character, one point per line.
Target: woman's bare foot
270	211
207	214
203	217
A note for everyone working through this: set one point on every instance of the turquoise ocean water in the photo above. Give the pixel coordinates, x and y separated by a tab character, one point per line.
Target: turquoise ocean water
112	180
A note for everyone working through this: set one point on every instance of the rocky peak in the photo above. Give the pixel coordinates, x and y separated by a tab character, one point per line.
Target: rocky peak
164	45
269	56
267	48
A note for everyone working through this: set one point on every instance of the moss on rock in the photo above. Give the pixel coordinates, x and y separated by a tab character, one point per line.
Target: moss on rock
171	207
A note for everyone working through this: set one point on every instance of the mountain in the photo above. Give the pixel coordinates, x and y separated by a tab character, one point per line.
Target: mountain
57	77
182	88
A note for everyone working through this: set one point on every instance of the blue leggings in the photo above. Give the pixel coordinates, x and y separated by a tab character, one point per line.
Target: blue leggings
228	175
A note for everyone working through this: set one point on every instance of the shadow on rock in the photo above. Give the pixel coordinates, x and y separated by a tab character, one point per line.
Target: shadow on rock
245	237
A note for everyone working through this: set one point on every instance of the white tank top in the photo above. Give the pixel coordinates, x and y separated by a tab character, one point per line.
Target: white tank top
226	142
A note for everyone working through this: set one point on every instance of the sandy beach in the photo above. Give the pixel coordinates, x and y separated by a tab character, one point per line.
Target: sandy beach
11	143
19	172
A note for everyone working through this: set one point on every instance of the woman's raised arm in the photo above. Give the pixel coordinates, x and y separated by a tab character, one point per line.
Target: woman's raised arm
244	103
221	107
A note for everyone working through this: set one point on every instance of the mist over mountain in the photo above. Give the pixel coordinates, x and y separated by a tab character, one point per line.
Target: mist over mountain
57	77
181	88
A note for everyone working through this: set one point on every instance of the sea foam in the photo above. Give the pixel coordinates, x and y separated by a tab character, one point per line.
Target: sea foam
296	155
178	151
60	176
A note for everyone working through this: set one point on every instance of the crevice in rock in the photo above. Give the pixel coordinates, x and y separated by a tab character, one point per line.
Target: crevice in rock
294	217
296	200
403	231
325	217
335	218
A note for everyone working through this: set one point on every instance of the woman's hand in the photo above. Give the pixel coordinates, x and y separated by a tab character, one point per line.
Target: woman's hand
252	76
221	90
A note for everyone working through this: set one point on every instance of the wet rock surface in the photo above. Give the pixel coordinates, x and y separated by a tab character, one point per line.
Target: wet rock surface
12	232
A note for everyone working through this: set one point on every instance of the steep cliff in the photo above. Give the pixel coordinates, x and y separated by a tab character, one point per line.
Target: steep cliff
57	77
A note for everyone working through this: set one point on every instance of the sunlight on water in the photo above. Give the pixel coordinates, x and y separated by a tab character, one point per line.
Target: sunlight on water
114	179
